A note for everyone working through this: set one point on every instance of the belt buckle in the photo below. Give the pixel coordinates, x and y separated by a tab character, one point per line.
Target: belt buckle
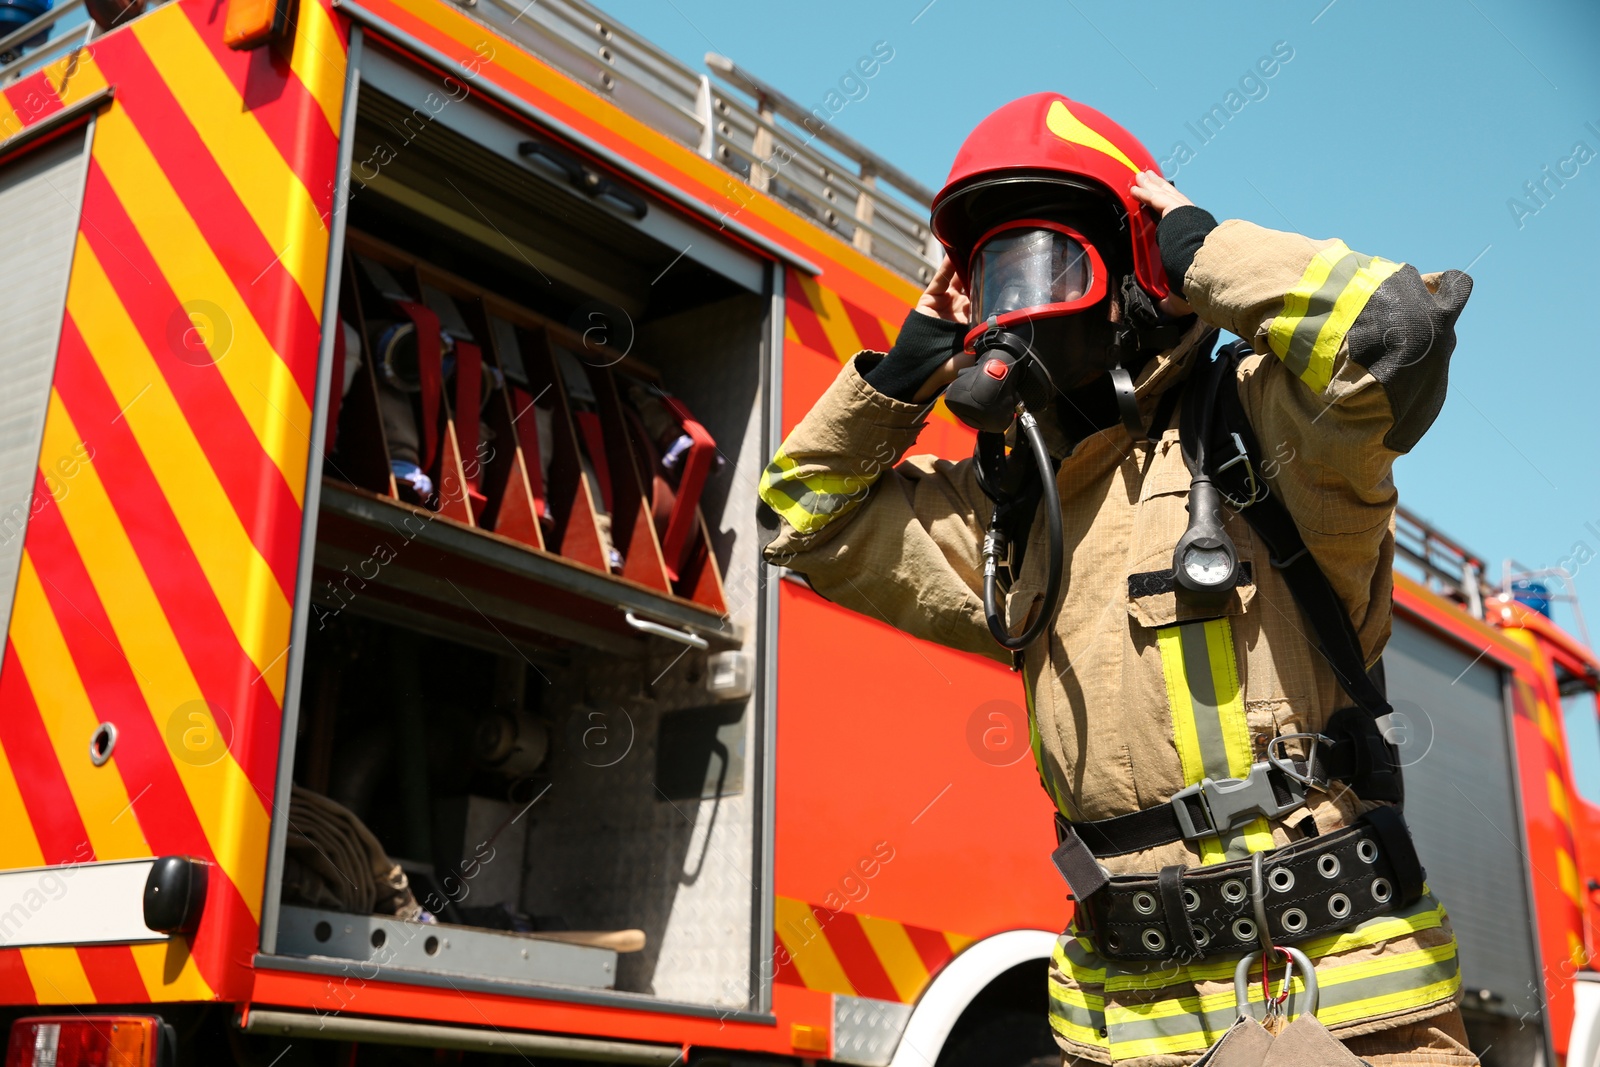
1232	802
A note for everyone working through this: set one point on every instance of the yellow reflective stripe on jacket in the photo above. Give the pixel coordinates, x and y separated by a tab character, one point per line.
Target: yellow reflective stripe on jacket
1208	720
1319	310
1189	1022
1364	990
809	502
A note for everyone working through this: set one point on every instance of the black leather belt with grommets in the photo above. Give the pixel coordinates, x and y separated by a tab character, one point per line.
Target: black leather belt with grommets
1312	887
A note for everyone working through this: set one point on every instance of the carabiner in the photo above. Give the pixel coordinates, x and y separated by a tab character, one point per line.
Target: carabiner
1282	764
1308	977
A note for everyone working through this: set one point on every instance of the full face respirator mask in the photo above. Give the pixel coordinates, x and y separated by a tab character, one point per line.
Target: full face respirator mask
1036	289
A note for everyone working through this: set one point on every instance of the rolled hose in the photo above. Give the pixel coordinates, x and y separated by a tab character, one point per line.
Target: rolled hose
1050	499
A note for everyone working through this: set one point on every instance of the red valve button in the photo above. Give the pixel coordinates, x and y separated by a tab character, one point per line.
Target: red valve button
995	368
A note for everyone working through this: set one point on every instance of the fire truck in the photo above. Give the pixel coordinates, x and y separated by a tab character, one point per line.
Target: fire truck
391	675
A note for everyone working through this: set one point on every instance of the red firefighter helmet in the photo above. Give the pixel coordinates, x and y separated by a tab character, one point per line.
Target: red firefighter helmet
1046	154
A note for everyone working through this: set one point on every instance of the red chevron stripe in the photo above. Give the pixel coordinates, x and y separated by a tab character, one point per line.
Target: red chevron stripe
51	809
803	316
279	100
33	98
784	970
849	943
15	988
253	483
158	796
159	799
251	262
112	974
931	947
226	676
868	328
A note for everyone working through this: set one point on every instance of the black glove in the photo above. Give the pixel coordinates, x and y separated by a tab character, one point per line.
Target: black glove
922	347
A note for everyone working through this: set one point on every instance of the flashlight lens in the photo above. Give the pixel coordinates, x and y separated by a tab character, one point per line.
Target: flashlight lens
1206	566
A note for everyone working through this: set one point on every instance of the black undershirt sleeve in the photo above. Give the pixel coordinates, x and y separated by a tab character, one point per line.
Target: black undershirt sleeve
924	343
1180	234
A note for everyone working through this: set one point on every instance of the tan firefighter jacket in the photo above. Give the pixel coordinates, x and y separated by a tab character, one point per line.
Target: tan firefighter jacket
1131	697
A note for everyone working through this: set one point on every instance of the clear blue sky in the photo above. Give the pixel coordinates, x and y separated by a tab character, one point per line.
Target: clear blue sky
1402	127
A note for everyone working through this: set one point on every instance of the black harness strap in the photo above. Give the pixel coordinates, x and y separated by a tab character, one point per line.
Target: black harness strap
1215	410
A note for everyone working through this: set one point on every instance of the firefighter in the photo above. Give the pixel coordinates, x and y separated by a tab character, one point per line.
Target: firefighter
1140	696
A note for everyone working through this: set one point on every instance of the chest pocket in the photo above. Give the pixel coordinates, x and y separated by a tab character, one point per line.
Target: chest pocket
1160	519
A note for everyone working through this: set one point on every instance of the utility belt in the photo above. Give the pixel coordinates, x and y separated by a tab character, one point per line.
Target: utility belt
1329	882
1286	896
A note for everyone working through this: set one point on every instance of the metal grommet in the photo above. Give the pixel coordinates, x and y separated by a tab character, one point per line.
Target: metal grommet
1293	920
1339	905
1382	890
1191	900
1114	942
1233	891
1153	939
1144	903
1281	879
1328	865
101	743
1244	929
1202	936
1367	851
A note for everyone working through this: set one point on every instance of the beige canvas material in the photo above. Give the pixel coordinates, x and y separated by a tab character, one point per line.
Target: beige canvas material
898	537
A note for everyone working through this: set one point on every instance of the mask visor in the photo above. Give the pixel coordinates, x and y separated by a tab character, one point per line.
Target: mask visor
1033	268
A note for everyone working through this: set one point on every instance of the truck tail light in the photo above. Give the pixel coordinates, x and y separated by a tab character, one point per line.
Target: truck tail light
85	1041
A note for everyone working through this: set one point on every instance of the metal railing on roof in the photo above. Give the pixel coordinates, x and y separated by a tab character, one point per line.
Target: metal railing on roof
1438	562
45	38
769	141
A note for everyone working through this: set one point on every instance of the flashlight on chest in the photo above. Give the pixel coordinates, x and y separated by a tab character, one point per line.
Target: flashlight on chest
1205	563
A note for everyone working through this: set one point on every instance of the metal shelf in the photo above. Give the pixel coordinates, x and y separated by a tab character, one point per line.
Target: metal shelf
383	557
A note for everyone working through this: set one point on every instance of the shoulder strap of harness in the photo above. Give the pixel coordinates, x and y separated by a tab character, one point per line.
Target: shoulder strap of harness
1213	413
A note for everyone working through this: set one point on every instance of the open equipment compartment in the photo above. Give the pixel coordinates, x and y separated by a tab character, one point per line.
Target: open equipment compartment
527	745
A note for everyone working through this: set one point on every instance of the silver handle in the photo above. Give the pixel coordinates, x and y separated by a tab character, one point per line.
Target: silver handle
683	637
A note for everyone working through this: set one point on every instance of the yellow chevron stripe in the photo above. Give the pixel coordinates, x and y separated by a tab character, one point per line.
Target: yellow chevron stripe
835	322
906	971
1567	876
19	845
75	76
260	382
11	123
789	332
245	587
230	812
318	60
957	942
807	944
1558	798
69	718
169	972
57	975
271	191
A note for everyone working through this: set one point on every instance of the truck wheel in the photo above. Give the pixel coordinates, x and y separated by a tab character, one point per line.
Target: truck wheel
1008	1038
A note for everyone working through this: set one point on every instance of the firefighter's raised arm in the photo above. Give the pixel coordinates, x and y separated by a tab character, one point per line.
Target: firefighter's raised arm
1352	355
1338	321
893	538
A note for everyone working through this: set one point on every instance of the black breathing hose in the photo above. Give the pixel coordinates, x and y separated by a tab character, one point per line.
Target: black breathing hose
994	545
